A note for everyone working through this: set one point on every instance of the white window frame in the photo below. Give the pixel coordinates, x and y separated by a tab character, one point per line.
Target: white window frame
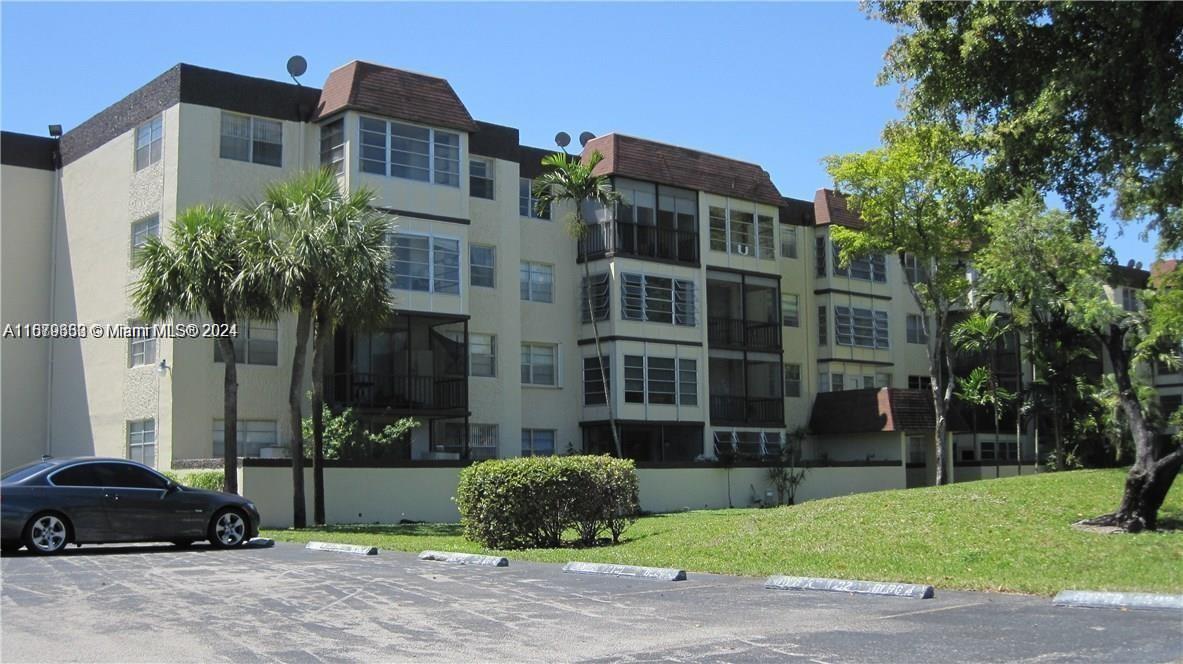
433	174
528	446
859	319
1129	299
141	350
795	381
915	329
433	280
641	305
871	268
474	267
785	319
268	430
243	343
488	176
150	138
530	269
141	435
601	284
684	380
531	201
593	386
332	153
761	247
251	138
142	229
527	363
492	354
788	242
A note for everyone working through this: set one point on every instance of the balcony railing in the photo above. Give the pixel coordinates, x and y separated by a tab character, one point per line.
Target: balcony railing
748	333
398	391
751	410
627	239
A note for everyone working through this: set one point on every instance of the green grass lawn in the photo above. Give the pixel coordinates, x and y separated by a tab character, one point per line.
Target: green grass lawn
1012	535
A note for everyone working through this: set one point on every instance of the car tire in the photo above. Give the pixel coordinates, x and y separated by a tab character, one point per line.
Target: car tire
228	529
10	547
47	533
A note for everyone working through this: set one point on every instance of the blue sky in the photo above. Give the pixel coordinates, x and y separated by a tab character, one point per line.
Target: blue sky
782	85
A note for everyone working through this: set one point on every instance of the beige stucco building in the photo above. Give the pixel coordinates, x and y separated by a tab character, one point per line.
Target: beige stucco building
722	312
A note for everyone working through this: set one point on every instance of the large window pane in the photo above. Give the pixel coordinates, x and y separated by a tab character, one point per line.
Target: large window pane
482	266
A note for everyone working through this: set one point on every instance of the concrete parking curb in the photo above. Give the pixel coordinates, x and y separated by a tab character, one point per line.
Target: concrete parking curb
909	590
464	558
1109	600
259	543
654	573
335	547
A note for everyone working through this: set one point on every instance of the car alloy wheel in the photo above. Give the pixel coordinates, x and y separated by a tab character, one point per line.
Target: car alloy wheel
230	529
47	534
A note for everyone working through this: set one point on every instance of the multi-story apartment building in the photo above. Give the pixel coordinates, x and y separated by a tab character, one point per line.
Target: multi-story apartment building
724	317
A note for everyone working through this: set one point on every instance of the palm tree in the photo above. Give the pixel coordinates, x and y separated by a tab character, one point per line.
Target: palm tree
982	333
309	232
354	291
200	273
570	180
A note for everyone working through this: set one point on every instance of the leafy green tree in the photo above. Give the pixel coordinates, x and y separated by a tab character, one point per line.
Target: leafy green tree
981	333
199	272
322	254
917	198
570	180
1050	252
345	438
1081	98
981	388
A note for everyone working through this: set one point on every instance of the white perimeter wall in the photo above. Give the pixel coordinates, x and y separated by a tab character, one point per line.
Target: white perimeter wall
387	495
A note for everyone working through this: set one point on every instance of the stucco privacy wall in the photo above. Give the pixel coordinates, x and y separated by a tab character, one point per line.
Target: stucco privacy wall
388	495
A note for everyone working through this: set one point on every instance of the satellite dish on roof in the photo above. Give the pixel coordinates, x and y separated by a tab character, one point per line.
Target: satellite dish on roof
562	139
585	137
297	65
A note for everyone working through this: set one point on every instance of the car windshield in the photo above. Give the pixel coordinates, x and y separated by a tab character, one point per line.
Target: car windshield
18	474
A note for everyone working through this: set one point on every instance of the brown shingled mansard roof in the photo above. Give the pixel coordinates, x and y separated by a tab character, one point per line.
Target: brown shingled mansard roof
682	167
393	93
830	208
874	410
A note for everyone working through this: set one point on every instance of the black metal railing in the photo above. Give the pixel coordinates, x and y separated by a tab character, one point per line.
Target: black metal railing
628	239
748	333
399	391
752	410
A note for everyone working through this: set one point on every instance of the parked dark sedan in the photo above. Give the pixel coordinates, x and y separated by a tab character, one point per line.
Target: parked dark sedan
91	500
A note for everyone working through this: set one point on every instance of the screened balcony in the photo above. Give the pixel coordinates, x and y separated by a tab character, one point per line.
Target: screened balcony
416	366
649	221
746	389
743	311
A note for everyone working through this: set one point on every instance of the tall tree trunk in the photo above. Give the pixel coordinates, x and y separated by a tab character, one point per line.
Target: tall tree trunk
942	393
320	344
599	350
994	408
229	411
1059	442
1149	479
1018	403
303	327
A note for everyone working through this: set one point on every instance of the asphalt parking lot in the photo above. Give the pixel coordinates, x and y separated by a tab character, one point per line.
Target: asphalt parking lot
149	603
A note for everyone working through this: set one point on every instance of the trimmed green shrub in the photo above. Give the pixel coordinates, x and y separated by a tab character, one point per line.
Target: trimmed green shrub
530	502
213	480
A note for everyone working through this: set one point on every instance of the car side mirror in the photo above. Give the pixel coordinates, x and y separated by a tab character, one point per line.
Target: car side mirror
172	487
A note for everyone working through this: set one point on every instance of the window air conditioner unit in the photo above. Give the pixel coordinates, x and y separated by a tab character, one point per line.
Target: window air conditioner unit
743	249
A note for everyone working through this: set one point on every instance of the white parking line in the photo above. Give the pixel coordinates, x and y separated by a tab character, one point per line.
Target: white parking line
941	608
